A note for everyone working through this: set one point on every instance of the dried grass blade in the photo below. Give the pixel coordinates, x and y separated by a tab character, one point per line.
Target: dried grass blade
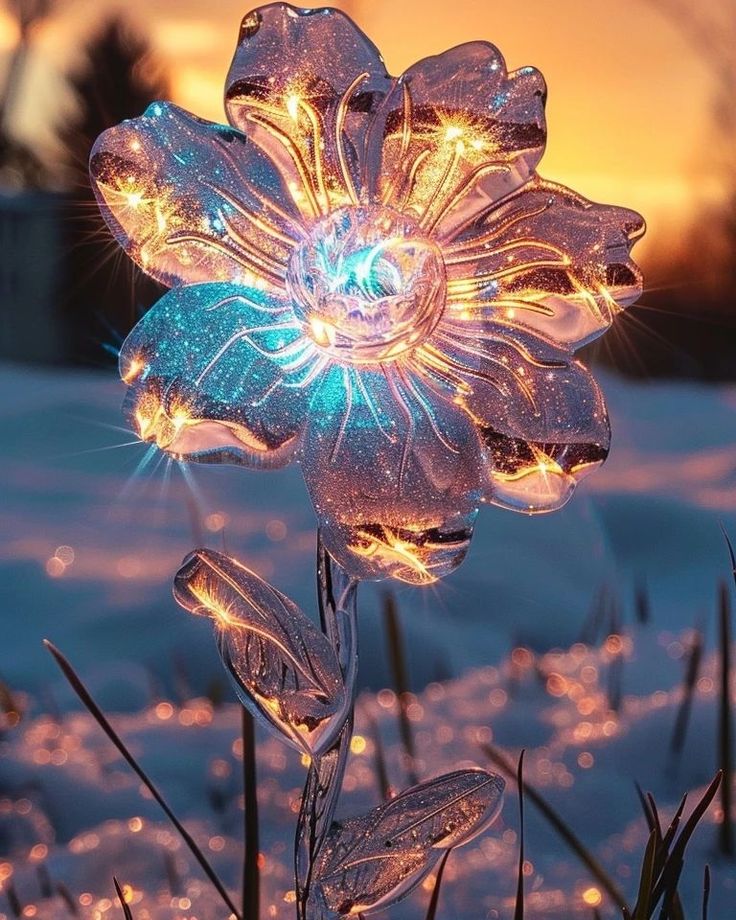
251	844
646	879
123	903
95	711
669	879
519	908
569	837
725	720
706	892
400	674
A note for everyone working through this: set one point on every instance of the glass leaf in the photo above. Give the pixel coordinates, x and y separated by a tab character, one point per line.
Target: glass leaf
373	861
282	666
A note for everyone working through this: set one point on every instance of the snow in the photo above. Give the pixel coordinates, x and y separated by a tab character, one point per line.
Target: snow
650	517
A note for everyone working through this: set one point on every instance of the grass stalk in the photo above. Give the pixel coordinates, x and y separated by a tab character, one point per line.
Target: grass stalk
646	878
400	674
725	741
563	830
706	892
95	711
435	899
596	615
66	896
642	603
692	672
172	876
668	881
379	760
44	881
127	913
251	844
664	842
13	900
519	907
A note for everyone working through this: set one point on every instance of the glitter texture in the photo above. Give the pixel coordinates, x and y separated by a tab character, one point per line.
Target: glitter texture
368	277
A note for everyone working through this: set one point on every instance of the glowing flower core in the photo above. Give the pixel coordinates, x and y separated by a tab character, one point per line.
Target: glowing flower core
366	284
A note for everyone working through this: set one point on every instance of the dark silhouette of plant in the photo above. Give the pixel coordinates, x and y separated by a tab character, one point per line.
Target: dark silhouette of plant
118	77
19	165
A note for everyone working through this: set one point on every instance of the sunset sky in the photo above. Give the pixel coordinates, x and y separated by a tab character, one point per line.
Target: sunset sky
630	93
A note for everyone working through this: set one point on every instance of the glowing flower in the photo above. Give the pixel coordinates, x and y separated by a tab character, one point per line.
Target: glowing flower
368	277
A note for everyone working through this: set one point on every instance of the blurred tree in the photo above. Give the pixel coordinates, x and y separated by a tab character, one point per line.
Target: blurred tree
20	168
118	77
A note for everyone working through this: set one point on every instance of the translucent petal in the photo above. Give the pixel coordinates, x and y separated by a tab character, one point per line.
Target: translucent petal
548	260
305	84
459	132
220	373
540	414
192	201
394	472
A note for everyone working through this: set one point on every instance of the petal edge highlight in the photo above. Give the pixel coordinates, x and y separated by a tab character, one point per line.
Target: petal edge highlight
219	374
191	201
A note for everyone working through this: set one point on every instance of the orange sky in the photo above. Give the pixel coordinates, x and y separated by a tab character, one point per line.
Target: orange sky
629	96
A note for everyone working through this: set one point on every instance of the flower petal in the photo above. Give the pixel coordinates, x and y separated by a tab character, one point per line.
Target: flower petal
548	260
394	472
192	201
540	415
220	373
305	84
459	131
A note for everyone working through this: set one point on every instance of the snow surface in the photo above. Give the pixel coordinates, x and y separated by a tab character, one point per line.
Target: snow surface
649	518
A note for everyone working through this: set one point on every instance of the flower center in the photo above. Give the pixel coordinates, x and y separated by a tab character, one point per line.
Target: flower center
366	284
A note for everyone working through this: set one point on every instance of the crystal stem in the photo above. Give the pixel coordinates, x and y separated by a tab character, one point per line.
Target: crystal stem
337	594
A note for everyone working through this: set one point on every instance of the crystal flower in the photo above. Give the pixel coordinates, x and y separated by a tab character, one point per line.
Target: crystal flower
368	277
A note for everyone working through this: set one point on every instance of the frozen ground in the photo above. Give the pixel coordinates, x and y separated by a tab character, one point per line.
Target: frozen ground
87	552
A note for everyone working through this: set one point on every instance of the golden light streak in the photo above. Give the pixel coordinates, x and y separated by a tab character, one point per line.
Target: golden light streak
296	157
293	101
393	549
339	128
135	366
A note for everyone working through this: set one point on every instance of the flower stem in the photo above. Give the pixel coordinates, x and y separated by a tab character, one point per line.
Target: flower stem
337	594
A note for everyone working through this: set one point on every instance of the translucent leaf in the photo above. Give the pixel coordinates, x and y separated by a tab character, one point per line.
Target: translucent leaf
284	669
374	860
